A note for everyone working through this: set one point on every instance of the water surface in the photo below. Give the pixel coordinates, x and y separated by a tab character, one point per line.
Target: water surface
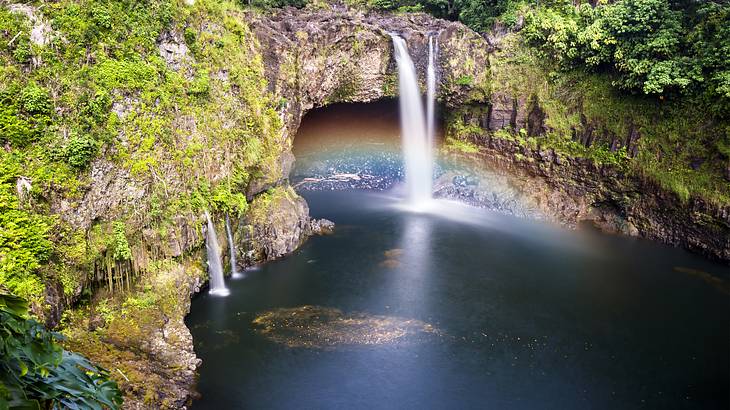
478	310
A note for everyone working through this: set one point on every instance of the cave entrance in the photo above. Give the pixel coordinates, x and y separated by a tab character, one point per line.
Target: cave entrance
351	145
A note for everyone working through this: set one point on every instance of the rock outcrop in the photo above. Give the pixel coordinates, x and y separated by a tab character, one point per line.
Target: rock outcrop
570	190
313	58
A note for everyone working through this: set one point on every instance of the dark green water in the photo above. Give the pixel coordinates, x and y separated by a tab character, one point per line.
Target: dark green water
528	316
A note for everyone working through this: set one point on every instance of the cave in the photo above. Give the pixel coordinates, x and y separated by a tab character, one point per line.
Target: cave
352	145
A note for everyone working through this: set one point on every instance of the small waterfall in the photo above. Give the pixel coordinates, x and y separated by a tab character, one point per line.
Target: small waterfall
416	147
232	249
215	267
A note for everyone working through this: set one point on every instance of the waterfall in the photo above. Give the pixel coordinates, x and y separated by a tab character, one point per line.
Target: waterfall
232	249
416	147
215	267
431	92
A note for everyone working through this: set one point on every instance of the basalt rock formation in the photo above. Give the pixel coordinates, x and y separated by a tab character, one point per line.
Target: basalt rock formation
313	58
570	190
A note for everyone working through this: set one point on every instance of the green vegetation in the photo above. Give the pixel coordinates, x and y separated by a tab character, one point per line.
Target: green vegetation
656	47
101	85
24	238
36	372
644	80
98	104
676	141
461	146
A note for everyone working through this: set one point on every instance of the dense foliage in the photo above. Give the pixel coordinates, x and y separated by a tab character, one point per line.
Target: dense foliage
657	47
35	372
24	237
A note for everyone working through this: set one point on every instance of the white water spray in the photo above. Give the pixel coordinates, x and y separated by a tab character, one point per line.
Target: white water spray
232	249
215	267
416	149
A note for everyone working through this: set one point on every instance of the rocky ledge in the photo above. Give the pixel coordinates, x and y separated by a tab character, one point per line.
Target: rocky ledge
570	190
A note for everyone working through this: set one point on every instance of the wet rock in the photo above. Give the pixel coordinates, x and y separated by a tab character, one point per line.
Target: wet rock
392	258
277	223
110	188
321	226
348	170
338	54
481	187
720	284
570	190
507	111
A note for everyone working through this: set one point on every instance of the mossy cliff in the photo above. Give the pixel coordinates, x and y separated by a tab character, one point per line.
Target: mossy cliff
121	122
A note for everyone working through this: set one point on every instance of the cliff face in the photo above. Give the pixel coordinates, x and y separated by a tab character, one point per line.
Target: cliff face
580	152
497	101
313	58
570	190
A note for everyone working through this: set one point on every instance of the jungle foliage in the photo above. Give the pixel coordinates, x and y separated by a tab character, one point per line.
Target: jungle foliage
667	48
37	373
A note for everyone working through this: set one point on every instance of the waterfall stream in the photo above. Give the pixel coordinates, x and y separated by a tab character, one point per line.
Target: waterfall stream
215	267
431	92
235	274
416	145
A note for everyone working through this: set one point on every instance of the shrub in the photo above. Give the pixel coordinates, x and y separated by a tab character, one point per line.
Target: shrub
652	47
81	149
35	100
24	242
120	245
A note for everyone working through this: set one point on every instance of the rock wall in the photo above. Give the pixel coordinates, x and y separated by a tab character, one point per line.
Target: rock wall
310	58
570	190
313	58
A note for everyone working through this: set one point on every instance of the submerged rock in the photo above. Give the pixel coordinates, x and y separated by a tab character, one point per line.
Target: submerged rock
322	327
716	282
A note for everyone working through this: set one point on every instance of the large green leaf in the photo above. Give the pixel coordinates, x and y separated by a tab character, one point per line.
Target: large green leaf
36	372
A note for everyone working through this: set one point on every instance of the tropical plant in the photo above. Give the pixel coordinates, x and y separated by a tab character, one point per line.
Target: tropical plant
37	373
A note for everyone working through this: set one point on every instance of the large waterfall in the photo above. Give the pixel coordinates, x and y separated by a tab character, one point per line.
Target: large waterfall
232	249
215	267
416	142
